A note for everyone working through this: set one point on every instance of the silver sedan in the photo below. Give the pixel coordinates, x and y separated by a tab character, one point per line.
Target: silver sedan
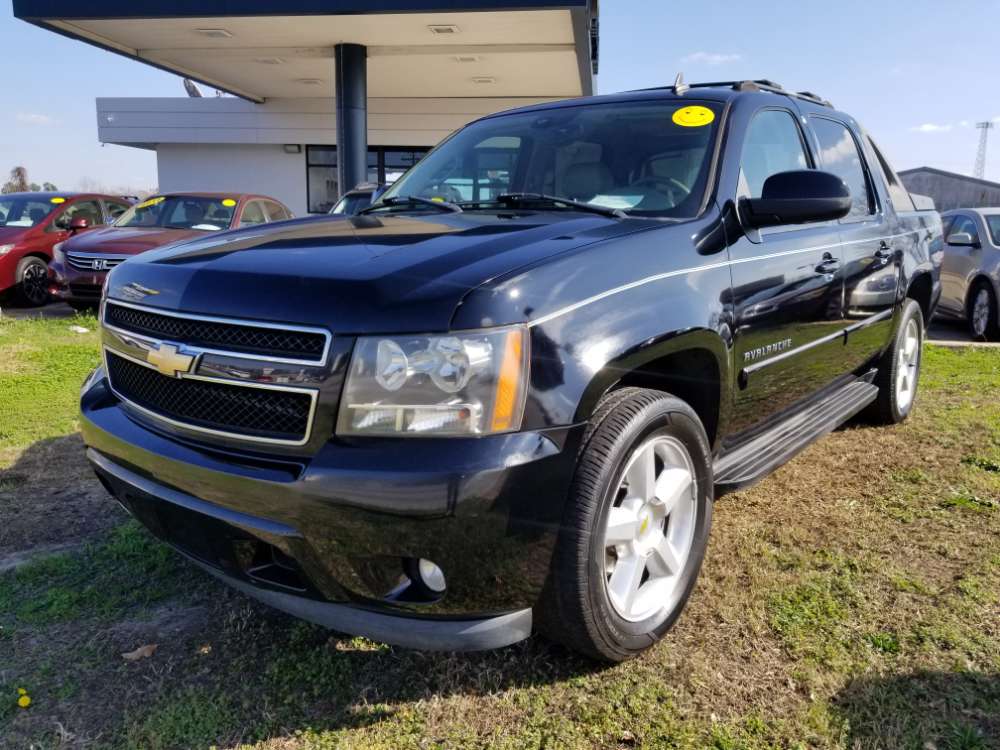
970	272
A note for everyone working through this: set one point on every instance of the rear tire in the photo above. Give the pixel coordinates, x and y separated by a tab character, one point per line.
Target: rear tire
899	368
982	313
635	528
31	279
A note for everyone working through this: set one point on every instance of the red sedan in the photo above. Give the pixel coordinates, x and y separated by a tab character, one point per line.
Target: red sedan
31	224
82	263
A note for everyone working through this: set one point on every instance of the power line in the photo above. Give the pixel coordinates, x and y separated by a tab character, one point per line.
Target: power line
985	127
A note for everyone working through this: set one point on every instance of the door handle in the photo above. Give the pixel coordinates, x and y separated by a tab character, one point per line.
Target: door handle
885	253
828	265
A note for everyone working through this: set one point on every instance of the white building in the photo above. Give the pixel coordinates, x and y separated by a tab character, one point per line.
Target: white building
409	71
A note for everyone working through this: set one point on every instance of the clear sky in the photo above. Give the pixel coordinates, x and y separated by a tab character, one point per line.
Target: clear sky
916	73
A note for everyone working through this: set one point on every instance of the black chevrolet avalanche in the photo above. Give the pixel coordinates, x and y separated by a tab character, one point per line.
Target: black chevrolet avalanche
503	397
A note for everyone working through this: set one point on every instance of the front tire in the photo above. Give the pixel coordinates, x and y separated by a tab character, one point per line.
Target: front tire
899	369
982	313
635	529
32	280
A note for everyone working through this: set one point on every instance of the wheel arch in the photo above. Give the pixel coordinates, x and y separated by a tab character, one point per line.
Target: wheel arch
921	290
693	366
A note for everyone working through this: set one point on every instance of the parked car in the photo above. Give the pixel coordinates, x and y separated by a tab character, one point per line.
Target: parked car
32	223
970	272
444	425
81	263
356	200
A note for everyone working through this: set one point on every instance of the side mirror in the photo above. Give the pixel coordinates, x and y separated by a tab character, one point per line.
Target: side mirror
962	239
78	224
798	197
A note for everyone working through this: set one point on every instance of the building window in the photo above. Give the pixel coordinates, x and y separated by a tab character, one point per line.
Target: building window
385	165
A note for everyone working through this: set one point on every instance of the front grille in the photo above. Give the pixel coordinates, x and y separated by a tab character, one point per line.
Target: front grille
85	291
93	262
234	337
258	412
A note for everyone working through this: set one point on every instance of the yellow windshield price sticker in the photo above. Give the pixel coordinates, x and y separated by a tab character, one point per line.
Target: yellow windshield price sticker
57	200
437	199
693	117
151	202
228	202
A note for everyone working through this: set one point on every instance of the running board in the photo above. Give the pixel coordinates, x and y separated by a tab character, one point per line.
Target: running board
755	459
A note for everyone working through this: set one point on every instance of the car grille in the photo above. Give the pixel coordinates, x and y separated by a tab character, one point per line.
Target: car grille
94	262
242	411
234	337
85	291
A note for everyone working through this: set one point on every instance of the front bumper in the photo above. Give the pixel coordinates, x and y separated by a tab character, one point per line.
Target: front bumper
329	538
68	284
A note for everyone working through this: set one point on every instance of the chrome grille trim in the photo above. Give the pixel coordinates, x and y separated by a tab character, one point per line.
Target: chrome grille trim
312	393
327	336
94	261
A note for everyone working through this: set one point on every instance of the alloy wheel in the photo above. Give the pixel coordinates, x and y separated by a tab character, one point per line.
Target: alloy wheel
981	312
906	369
650	529
34	282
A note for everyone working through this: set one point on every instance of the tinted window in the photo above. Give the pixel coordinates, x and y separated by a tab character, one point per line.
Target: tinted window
965	224
773	144
898	194
253	214
321	178
838	153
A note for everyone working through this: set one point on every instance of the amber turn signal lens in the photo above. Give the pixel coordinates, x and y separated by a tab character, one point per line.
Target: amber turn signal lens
505	409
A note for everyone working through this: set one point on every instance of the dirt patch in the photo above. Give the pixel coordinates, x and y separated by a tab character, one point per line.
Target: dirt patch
49	496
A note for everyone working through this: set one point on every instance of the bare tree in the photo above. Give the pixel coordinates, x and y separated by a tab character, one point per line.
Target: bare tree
18	182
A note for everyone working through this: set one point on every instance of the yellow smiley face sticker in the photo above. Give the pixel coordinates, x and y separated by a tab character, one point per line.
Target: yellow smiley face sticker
57	200
693	117
228	202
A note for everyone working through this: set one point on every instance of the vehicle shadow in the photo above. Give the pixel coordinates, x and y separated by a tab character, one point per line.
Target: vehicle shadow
958	710
50	496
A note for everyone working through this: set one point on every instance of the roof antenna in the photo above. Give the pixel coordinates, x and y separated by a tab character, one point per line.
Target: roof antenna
679	86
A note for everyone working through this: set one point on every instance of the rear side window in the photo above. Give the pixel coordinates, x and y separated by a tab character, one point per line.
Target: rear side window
898	194
838	153
275	212
773	144
253	215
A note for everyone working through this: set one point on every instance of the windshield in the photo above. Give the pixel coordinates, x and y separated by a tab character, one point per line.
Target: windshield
25	212
180	212
993	222
647	158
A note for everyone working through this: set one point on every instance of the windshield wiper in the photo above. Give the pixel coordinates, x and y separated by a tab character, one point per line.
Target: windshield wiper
413	200
616	213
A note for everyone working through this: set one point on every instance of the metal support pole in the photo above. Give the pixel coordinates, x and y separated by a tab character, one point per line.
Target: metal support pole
351	61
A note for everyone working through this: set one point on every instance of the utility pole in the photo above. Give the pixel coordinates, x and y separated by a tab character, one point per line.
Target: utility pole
980	169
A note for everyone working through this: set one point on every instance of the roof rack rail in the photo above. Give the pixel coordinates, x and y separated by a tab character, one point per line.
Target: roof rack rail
761	84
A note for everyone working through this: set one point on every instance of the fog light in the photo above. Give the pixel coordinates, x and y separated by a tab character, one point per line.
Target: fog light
431	576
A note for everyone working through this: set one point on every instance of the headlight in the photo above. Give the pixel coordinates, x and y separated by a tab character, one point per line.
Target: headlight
453	384
4	249
57	250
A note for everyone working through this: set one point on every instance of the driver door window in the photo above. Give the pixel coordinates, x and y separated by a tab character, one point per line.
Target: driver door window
89	210
773	144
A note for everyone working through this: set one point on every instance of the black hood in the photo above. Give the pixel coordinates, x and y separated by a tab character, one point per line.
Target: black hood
364	274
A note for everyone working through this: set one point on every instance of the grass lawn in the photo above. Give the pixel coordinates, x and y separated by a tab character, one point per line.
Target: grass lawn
851	600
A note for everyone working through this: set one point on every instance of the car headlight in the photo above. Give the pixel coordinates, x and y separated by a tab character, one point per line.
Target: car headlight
4	249
470	383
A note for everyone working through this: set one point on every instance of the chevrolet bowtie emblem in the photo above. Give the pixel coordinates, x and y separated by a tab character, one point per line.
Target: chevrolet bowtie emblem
168	360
